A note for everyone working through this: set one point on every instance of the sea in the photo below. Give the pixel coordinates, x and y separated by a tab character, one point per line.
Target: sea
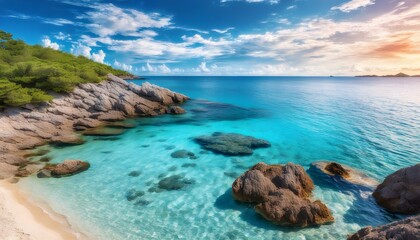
369	124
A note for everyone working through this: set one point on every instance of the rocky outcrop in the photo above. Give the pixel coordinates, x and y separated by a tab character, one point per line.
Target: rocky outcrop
64	169
89	105
282	194
400	191
344	173
231	144
406	229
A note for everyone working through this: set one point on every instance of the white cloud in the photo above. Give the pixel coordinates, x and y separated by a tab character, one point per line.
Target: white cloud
123	66
353	5
160	69
99	56
109	20
83	50
223	30
62	36
291	7
46	42
203	67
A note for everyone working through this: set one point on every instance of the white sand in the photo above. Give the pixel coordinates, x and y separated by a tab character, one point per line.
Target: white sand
22	219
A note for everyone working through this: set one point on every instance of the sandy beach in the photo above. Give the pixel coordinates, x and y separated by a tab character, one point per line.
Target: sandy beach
20	218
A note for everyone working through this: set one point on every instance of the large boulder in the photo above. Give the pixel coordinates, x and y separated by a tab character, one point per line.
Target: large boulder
406	229
281	193
231	144
66	168
400	191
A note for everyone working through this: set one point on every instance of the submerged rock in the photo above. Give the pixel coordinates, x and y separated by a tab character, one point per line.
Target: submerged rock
134	173
406	229
231	144
64	169
134	194
281	193
182	154
187	165
103	131
174	182
176	110
344	173
400	191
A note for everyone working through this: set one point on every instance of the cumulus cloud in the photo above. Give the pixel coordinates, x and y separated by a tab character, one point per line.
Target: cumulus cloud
83	50
46	42
123	66
160	69
353	5
203	67
109	20
99	56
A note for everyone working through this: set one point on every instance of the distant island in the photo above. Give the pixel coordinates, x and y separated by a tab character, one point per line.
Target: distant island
396	75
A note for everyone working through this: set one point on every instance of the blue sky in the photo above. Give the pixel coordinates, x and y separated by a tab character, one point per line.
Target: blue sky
227	37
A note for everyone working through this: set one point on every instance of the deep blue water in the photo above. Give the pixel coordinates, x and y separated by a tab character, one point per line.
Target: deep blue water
371	124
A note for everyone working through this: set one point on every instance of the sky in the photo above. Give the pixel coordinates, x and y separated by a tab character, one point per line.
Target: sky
227	37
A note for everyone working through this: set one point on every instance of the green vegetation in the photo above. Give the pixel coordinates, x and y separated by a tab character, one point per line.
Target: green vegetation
29	73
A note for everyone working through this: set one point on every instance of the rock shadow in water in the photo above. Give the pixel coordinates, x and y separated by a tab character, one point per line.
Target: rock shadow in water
364	210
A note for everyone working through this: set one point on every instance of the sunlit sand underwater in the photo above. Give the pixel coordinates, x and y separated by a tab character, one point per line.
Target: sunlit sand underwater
371	124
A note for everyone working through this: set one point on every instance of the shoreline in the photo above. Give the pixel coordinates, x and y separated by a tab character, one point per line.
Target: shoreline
22	218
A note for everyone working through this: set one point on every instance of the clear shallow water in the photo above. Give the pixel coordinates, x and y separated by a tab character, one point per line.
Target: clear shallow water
368	123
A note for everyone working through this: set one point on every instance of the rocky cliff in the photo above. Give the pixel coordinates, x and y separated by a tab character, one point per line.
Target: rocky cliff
88	106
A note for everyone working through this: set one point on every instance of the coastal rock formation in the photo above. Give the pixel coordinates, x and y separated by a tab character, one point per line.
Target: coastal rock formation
281	193
66	168
344	173
400	191
406	229
231	144
88	106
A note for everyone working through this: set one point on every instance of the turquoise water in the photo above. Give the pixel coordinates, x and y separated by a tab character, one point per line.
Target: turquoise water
372	124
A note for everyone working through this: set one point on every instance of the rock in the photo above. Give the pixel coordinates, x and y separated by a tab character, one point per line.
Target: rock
44	173
187	165
103	131
174	182
27	170
87	123
66	168
88	106
7	170
124	125
67	140
344	173
400	191
287	209
281	193
231	144
134	194
176	110
337	169
112	116
12	159
406	229
134	173
182	154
